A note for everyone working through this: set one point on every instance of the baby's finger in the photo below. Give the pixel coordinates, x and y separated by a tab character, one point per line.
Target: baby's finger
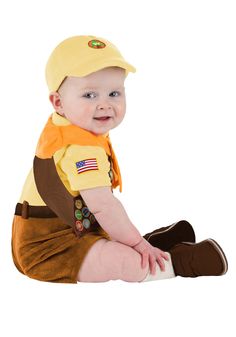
165	255
161	263
144	258
152	264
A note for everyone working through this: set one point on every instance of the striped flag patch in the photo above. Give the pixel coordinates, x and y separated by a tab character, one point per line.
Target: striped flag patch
86	165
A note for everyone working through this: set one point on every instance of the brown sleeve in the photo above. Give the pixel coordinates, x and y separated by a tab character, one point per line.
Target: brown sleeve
52	190
54	193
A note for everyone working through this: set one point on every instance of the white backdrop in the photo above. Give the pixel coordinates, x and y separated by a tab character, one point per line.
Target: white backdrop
176	150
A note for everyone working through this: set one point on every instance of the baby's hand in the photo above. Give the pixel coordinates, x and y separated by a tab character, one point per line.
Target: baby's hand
150	255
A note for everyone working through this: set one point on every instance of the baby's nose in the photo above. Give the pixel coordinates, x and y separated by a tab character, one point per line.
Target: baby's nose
104	106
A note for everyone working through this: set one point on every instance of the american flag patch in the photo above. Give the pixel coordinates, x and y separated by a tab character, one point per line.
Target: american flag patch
86	165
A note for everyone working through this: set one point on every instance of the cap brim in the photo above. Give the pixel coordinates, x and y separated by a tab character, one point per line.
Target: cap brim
90	67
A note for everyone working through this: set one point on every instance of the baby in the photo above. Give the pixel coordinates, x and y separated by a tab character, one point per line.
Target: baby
68	226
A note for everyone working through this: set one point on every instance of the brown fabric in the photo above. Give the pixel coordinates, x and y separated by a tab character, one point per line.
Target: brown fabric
205	258
58	199
52	190
33	211
167	237
48	250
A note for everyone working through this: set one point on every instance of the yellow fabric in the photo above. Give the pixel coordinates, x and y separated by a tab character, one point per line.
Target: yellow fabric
55	137
87	179
30	192
64	159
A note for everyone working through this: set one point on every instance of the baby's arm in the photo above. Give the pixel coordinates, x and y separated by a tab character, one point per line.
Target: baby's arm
111	215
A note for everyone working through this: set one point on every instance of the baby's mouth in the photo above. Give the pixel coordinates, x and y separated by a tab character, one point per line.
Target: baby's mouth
105	118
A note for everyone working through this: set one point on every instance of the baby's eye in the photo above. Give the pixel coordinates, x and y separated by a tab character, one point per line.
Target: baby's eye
87	95
115	92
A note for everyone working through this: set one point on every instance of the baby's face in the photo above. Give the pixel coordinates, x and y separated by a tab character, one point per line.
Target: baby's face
83	100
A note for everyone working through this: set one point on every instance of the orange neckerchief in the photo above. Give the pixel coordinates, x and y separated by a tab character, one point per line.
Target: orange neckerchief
54	137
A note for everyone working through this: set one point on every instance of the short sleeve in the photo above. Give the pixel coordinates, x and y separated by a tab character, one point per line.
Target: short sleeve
86	167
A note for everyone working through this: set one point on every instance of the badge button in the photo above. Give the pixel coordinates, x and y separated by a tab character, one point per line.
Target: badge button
78	203
96	44
92	218
78	214
111	175
85	212
79	225
86	223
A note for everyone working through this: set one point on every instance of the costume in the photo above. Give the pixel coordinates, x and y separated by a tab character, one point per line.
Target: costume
52	228
51	235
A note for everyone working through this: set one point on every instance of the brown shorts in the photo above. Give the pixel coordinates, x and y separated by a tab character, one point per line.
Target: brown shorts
48	250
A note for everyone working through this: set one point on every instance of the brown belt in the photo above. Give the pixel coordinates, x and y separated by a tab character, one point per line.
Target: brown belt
26	211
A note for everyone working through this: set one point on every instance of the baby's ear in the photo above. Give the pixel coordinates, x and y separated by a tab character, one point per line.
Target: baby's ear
55	99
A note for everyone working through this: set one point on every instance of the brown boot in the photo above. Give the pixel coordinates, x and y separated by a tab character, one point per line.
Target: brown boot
205	258
165	238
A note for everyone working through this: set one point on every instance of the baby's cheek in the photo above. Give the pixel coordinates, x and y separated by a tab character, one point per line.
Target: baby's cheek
76	120
86	113
120	115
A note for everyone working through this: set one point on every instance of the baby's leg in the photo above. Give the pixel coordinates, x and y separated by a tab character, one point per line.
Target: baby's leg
110	260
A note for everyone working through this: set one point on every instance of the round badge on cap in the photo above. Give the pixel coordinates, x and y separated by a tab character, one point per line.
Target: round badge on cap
96	44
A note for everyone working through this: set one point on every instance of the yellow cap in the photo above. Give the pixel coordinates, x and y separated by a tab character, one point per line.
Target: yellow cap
80	56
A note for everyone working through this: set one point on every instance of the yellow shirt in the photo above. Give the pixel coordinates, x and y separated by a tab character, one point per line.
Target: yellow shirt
73	179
